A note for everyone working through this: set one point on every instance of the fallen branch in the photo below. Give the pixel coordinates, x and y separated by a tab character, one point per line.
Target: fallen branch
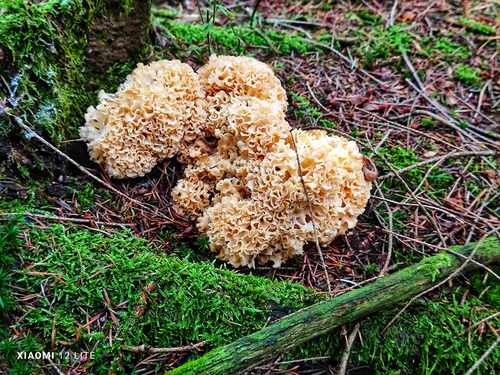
149	349
318	319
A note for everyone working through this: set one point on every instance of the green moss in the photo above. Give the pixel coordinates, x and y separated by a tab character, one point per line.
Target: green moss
325	123
234	39
428	123
476	26
467	74
367	17
8	244
445	49
304	110
163	301
382	43
190	302
398	156
427	340
85	196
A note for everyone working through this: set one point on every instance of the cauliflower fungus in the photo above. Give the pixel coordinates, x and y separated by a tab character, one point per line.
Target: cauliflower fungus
261	190
154	115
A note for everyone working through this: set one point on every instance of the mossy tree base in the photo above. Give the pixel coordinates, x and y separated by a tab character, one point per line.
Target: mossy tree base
320	318
55	55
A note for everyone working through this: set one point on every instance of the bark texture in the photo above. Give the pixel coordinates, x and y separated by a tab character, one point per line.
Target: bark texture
118	35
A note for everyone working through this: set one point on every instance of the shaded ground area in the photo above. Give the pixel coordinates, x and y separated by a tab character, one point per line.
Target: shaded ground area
415	84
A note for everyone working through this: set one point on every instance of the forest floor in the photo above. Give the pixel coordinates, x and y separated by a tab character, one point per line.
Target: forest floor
414	83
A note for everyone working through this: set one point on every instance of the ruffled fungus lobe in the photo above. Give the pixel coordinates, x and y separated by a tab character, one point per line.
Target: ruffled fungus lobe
259	190
281	217
241	76
146	120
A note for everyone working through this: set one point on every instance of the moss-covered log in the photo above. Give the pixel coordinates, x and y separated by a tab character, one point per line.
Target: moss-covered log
323	317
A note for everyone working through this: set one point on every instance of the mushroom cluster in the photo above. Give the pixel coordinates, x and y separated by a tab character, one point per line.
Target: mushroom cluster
259	189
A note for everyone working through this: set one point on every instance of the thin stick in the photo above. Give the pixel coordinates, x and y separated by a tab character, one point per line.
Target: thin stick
148	349
317	101
347	351
304	360
384	138
478	113
391	233
452	154
480	322
254	11
414	73
392	15
480	100
483	357
296	22
82	169
318	247
62	218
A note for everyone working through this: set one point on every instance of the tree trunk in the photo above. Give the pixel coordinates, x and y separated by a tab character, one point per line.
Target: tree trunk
310	322
117	35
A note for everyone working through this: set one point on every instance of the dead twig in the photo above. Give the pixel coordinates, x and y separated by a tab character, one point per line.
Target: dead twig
345	356
149	349
391	233
480	322
483	357
452	154
481	98
84	170
62	218
392	15
317	101
318	246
